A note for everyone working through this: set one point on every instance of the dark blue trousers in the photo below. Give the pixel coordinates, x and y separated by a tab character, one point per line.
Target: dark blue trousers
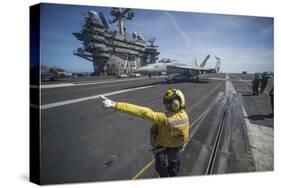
167	162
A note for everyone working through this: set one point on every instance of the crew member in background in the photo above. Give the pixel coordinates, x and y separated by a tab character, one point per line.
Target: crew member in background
256	83
169	132
264	79
271	94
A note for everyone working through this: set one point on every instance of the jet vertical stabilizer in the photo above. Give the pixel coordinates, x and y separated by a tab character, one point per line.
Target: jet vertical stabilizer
195	62
217	68
202	65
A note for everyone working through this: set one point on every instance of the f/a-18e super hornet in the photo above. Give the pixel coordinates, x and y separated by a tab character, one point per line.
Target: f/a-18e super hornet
175	71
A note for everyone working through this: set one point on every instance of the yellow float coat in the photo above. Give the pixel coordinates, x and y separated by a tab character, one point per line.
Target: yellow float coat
172	128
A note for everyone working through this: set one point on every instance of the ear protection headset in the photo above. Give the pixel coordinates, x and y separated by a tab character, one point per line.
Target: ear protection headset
175	101
175	98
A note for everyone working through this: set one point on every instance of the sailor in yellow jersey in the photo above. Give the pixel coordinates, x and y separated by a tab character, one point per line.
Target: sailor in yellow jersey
169	132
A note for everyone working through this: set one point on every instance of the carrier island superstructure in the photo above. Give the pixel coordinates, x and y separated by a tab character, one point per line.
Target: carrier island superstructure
113	52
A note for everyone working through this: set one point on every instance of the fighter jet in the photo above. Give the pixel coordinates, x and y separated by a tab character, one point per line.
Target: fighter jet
176	71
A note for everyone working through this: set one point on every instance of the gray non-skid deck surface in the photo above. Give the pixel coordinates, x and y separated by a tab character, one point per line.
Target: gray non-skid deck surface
84	142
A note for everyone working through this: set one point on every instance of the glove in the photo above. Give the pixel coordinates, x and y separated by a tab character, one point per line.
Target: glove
107	103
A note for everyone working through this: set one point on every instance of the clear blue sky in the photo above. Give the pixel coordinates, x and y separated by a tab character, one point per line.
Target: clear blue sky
242	42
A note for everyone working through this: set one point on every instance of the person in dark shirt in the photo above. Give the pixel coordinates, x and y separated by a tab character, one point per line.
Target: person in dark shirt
271	94
256	83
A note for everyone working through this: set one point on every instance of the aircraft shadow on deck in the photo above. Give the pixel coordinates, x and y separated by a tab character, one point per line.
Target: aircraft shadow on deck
165	83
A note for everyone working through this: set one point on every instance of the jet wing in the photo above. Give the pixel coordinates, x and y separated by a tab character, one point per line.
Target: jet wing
187	67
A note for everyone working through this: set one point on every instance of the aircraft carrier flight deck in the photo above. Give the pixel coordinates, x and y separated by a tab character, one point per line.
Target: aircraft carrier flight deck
231	129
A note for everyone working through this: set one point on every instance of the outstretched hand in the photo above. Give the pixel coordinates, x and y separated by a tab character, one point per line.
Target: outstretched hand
107	103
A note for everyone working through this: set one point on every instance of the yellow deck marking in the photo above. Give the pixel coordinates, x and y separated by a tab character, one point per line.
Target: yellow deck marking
144	169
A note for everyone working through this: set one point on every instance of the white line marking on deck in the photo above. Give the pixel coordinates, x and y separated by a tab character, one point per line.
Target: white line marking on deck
48	86
72	101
